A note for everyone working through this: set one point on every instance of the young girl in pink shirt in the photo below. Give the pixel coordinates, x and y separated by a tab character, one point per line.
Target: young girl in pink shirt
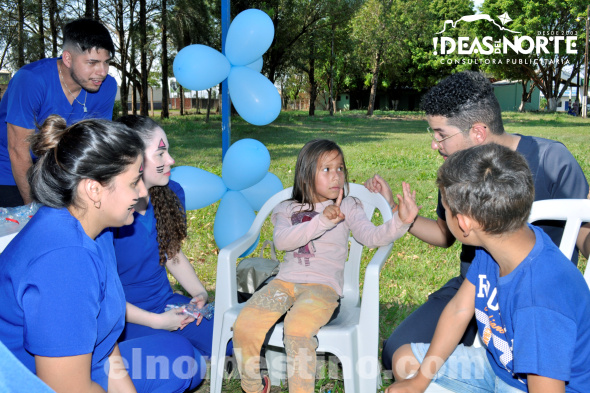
313	228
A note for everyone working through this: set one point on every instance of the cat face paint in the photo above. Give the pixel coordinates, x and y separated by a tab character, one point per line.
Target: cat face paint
161	147
158	161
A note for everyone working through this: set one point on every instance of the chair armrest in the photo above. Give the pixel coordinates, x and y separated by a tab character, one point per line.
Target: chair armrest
370	299
226	284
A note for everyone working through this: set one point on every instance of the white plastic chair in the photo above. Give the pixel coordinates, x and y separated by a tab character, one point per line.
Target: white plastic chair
353	336
574	212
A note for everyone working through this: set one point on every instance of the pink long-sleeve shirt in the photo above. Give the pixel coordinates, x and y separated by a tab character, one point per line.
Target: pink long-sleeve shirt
317	249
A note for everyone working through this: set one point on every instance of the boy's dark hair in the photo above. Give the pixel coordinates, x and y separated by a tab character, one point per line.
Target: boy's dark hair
85	34
489	183
306	167
465	98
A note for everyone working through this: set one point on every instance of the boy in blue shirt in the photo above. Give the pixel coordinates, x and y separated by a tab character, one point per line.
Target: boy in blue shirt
530	302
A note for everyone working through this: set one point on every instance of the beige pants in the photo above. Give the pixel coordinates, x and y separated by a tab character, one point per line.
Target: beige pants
308	308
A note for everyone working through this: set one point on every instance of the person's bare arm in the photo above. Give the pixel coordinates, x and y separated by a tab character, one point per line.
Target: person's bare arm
20	158
119	380
583	241
67	374
431	231
169	320
539	384
435	232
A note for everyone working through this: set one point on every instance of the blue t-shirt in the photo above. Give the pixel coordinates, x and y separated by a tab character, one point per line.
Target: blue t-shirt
556	174
144	280
536	319
60	292
35	92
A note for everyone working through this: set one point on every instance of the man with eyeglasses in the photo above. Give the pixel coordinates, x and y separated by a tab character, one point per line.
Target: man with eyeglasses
462	111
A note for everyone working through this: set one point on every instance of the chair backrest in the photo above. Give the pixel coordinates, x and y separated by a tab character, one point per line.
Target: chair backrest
371	201
573	211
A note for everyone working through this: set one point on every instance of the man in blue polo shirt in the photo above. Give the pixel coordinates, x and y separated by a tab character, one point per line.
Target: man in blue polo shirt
75	86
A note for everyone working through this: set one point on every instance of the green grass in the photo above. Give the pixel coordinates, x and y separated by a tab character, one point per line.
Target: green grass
393	144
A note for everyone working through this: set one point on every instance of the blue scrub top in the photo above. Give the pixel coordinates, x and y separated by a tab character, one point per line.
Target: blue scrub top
60	292
144	280
35	92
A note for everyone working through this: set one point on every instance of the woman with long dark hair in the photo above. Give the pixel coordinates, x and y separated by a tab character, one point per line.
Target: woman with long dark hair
151	246
63	306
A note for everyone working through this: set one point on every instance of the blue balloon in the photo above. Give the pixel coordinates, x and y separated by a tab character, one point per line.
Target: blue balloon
256	65
260	192
199	67
255	98
248	37
246	162
201	188
233	219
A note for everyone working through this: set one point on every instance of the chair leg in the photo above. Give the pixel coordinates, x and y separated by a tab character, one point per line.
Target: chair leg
276	362
218	366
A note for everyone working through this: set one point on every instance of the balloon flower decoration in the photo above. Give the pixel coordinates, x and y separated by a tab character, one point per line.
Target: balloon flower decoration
244	186
199	67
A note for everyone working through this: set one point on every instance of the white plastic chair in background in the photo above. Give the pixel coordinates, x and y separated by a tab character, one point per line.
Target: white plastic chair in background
353	336
574	212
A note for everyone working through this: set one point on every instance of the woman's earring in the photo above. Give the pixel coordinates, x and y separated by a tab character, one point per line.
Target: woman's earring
97	205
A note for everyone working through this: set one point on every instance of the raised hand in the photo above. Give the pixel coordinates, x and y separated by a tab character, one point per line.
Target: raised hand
333	212
379	185
408	210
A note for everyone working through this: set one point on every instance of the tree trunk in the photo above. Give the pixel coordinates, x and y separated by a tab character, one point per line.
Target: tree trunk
526	95
134	99
181	94
124	91
41	31
143	109
331	100
53	26
96	16
88	10
208	105
165	93
313	88
374	83
152	101
20	43
551	104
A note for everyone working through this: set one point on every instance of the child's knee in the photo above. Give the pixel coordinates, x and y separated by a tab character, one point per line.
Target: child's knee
241	327
404	363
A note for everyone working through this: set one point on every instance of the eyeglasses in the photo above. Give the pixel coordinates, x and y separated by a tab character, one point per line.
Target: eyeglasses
439	141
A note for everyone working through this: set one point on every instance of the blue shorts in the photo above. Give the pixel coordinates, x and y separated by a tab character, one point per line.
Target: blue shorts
467	370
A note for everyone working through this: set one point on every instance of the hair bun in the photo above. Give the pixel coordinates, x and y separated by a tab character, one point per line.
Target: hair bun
49	136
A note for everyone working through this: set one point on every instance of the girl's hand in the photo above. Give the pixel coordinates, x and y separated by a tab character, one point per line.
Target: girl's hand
333	212
379	185
408	210
172	320
200	300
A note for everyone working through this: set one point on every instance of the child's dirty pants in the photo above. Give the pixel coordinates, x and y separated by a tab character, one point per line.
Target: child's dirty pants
308	308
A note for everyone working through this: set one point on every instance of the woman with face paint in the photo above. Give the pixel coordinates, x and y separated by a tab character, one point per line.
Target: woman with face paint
152	244
63	306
